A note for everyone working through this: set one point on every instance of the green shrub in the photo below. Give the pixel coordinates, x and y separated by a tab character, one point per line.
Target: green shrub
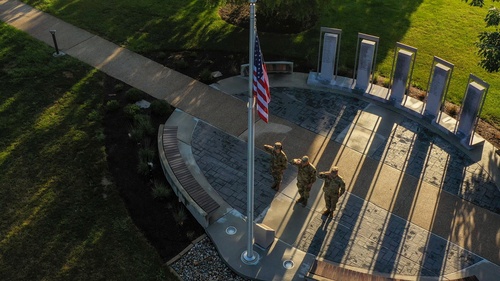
94	116
134	95
191	235
143	168
206	76
119	87
131	110
136	134
161	108
112	105
143	122
180	215
146	154
162	55
181	64
160	190
207	62
142	128
100	136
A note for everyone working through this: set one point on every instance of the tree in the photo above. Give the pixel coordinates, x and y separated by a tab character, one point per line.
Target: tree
489	42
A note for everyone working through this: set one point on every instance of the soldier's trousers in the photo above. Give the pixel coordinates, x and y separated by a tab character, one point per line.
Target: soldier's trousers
331	200
277	176
303	190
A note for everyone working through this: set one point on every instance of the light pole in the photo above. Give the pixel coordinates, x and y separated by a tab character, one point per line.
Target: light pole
57	53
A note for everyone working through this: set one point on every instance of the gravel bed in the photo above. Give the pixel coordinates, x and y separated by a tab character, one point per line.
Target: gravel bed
202	262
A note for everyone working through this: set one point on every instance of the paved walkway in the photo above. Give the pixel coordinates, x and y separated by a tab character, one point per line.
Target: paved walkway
416	204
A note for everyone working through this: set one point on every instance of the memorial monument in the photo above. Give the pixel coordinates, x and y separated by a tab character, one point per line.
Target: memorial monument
471	108
329	41
404	59
366	62
328	57
429	110
441	76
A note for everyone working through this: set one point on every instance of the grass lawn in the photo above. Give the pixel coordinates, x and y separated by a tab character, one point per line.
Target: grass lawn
61	218
443	28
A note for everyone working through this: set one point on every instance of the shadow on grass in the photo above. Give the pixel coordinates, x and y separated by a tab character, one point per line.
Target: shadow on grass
150	26
59	218
389	20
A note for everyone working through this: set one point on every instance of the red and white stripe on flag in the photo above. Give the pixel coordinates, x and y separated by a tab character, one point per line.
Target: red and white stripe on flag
261	83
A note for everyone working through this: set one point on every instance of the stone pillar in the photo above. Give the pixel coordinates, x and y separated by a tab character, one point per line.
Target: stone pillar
470	111
328	57
401	73
440	79
366	57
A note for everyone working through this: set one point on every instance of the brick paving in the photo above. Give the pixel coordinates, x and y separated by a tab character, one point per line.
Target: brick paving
420	153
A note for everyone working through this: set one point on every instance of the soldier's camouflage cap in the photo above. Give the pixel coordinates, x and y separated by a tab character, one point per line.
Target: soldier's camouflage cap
305	158
335	169
278	145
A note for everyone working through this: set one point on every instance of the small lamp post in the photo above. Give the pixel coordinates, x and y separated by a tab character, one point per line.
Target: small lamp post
57	53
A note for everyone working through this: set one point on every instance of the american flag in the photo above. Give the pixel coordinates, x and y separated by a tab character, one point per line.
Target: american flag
261	83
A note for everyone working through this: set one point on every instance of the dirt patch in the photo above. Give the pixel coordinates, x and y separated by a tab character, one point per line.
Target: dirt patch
274	23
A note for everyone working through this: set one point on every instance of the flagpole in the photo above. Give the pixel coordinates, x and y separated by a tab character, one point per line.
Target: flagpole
249	256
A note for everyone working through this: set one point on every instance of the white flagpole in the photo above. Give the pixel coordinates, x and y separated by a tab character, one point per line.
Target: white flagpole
249	256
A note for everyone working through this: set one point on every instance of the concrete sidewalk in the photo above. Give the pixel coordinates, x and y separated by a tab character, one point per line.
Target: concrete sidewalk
416	205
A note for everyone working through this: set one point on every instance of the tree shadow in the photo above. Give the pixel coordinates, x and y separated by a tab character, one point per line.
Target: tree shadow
151	26
385	19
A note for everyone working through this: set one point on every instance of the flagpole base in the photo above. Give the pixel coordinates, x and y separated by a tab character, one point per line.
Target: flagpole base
250	260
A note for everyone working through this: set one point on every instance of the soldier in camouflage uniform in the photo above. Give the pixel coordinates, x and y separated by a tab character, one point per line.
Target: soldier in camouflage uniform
333	187
278	163
306	176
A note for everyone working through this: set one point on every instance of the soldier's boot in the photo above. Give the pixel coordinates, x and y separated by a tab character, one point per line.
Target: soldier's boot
277	186
273	186
327	212
300	200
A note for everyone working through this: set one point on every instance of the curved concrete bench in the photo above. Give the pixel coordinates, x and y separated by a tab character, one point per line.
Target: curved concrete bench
185	186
